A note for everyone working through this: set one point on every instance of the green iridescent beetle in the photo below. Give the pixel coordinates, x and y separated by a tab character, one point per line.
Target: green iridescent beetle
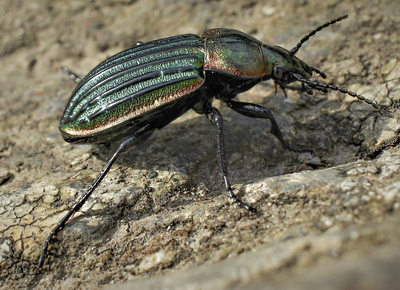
140	90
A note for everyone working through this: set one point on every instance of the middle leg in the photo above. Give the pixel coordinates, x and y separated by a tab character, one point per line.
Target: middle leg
257	111
215	117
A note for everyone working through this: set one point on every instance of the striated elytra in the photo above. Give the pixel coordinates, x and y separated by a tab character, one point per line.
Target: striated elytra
140	90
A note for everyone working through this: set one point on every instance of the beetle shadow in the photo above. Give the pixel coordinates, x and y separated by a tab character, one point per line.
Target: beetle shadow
188	147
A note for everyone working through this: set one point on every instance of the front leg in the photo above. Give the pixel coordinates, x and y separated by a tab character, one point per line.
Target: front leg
257	111
215	117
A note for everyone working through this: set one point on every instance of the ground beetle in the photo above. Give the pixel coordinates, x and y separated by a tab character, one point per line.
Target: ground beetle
140	90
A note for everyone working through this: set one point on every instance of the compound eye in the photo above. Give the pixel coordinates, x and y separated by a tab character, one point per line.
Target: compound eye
277	72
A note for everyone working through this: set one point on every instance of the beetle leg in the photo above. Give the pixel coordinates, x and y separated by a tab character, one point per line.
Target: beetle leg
257	111
216	118
83	199
282	87
72	76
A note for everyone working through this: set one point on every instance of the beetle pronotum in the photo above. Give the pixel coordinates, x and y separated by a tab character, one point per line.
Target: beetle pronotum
140	90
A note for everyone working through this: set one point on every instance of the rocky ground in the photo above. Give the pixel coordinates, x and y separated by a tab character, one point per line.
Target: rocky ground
161	219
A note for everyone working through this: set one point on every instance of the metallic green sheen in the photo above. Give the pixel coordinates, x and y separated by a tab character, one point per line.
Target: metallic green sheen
233	52
279	56
130	84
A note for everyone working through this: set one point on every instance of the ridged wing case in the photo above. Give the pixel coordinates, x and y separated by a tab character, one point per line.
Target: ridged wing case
153	80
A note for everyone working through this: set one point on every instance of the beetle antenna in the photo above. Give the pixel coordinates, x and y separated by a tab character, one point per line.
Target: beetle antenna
307	37
324	88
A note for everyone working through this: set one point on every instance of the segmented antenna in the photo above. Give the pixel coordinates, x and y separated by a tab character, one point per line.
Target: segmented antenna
307	37
324	88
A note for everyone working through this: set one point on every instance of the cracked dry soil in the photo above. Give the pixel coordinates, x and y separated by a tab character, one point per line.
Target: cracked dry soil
161	219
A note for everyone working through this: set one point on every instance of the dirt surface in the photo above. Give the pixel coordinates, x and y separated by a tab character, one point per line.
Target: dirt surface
161	219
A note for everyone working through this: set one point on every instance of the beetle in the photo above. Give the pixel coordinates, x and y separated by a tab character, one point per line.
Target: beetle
138	91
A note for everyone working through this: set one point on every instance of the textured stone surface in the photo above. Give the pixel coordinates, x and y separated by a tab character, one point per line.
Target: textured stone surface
161	217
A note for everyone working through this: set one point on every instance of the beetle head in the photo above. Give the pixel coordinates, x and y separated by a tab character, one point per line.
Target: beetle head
284	67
